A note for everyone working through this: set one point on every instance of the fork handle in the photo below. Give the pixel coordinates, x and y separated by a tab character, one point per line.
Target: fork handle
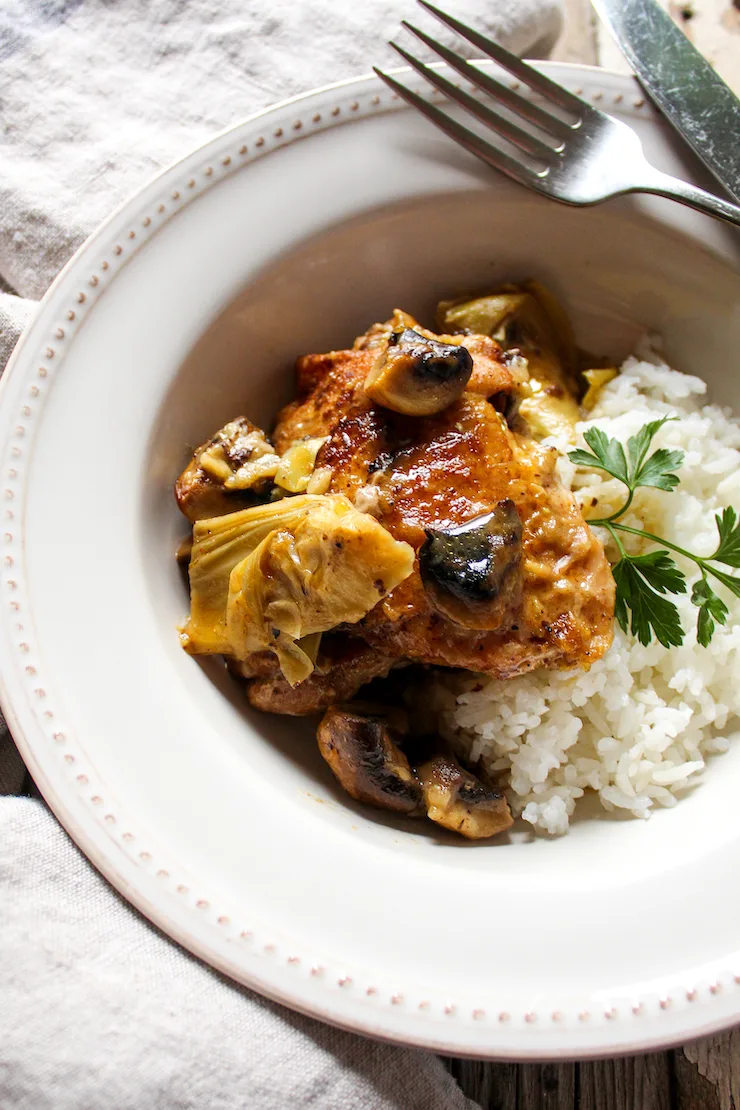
663	185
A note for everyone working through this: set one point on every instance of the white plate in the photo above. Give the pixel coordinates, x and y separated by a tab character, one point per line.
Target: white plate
223	826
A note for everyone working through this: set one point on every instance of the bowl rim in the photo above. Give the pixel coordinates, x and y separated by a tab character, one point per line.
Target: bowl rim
102	860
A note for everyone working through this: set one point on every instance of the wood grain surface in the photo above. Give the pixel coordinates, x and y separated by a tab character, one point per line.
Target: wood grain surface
703	1075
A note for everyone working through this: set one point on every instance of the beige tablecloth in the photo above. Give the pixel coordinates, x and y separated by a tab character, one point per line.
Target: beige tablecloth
99	1011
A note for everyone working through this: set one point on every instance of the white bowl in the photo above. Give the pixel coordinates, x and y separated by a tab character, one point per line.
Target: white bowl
224	826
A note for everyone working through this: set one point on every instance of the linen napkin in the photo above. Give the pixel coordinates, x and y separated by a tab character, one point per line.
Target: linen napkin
98	1010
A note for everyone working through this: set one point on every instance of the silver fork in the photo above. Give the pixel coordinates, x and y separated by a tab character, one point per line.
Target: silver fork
583	159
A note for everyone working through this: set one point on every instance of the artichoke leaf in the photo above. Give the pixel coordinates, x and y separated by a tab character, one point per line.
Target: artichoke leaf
331	568
297	464
480	315
270	576
529	318
250	629
310	645
219	543
550	410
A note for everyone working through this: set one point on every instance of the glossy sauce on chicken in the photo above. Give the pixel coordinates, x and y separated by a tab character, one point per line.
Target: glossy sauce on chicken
403	511
420	473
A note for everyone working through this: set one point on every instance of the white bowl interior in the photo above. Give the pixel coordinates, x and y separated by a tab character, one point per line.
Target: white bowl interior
233	294
618	272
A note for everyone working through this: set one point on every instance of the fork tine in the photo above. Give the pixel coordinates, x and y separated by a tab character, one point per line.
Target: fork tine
487	84
520	69
468	139
528	143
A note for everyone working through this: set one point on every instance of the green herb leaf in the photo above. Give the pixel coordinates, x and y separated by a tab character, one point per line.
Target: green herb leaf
584	458
728	551
728	580
638	445
621	612
608	454
656	471
650	612
643	580
660	571
711	609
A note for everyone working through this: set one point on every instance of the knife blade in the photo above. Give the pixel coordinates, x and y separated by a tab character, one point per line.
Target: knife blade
682	83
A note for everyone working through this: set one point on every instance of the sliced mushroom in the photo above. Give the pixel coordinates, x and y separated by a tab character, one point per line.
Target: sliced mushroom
228	472
418	376
394	716
361	752
472	573
458	800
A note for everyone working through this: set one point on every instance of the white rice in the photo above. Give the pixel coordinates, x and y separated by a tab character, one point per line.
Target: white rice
637	727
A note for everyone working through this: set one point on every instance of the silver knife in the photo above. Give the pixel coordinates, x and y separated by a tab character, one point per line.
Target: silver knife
681	82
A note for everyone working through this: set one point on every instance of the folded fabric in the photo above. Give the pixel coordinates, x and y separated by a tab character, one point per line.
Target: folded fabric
99	95
99	1011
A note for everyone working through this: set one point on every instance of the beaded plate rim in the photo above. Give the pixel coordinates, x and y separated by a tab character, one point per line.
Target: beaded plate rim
39	357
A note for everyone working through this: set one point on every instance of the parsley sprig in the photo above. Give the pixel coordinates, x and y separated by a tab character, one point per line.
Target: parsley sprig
644	582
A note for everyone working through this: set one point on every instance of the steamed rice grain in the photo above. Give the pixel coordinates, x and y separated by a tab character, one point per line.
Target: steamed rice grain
637	727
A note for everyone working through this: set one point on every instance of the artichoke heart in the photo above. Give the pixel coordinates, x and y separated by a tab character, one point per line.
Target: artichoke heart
480	315
528	318
270	577
297	464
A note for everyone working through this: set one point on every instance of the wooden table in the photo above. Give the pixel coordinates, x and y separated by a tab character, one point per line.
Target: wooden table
703	1075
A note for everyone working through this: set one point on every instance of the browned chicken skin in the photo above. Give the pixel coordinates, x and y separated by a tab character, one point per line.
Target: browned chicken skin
420	473
544	593
483	561
345	664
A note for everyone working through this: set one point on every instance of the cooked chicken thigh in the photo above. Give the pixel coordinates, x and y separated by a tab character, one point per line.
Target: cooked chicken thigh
403	511
507	576
426	477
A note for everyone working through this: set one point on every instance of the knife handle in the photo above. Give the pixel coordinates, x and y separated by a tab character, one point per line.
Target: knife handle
663	185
